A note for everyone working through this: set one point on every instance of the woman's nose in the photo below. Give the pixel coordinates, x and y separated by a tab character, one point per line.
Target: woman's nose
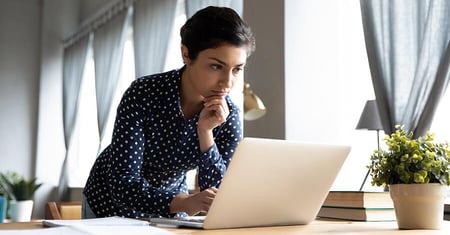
227	79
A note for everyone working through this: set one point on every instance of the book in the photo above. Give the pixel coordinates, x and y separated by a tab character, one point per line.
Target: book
357	214
359	199
358	206
447	210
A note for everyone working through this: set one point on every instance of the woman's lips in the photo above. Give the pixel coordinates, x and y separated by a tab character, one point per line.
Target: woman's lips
221	93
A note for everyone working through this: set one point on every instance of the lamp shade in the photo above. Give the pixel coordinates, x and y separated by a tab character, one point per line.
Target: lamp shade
370	118
253	106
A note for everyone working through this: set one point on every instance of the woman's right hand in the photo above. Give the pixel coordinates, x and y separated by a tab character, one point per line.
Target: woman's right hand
193	204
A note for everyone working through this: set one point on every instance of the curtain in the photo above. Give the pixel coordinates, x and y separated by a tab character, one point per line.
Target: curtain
73	68
153	20
108	46
407	44
193	6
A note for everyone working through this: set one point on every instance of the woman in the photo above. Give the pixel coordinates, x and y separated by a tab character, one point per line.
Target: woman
173	122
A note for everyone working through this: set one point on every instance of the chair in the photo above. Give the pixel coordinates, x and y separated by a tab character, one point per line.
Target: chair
63	210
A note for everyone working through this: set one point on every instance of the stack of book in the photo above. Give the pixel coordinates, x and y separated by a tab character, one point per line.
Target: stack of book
358	206
447	210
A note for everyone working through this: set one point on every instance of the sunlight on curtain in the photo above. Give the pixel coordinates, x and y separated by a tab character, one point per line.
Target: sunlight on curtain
73	67
441	125
193	6
109	41
86	139
173	58
408	49
151	34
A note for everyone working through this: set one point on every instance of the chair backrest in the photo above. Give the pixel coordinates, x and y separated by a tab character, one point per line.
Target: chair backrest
63	210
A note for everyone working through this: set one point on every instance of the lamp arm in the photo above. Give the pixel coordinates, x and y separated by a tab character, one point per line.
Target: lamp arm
368	171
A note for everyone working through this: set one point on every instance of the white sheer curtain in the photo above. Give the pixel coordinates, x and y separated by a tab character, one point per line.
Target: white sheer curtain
153	20
408	48
73	68
193	6
108	45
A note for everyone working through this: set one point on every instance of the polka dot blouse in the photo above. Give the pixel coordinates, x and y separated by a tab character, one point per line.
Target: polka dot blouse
152	148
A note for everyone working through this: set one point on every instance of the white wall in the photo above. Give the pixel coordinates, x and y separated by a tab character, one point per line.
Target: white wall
328	81
20	23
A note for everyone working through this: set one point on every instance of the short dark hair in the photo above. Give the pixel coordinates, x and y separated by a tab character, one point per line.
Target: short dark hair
212	27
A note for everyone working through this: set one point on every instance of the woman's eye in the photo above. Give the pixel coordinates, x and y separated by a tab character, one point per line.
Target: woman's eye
237	70
216	66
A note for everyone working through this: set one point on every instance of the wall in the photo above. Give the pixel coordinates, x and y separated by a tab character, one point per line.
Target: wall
265	68
328	81
20	24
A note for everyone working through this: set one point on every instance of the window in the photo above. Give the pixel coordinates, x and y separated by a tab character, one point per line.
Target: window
173	59
86	139
85	146
440	124
82	151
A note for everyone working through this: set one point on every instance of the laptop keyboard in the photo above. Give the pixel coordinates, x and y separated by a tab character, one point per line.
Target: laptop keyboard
198	219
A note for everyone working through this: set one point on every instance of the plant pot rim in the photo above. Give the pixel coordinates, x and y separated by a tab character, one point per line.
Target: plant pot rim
417	188
21	200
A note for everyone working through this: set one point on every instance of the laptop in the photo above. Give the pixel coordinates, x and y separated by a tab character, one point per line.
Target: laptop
270	182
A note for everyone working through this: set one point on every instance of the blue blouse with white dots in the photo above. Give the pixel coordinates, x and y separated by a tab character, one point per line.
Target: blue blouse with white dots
152	148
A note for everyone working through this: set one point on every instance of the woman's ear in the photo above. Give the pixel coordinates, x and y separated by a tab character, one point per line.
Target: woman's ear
185	54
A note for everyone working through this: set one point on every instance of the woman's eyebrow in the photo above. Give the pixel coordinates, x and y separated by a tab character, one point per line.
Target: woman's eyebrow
223	62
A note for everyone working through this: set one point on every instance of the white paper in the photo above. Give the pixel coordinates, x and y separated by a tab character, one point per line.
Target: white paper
120	230
44	231
108	221
90	230
99	226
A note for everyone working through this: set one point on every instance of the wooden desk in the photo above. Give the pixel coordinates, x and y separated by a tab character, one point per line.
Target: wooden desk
317	227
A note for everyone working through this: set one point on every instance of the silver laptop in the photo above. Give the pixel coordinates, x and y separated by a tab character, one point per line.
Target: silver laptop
270	183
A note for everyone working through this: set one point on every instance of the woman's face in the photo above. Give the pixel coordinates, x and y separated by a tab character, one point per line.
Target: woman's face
215	71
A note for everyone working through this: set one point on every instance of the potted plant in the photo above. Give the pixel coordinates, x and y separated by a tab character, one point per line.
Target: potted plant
20	191
2	204
417	172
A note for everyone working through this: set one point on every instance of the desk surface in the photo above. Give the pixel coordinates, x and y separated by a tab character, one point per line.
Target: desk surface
316	227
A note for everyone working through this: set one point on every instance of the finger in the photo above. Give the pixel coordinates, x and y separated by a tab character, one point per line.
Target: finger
211	192
214	189
207	201
216	102
213	97
213	102
216	111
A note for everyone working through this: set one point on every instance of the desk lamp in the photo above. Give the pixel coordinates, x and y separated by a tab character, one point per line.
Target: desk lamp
370	120
253	106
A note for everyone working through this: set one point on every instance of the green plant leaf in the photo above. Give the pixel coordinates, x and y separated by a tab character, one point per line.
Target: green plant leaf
410	161
18	187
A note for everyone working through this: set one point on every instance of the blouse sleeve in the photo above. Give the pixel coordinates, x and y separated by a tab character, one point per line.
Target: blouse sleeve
216	160
128	187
